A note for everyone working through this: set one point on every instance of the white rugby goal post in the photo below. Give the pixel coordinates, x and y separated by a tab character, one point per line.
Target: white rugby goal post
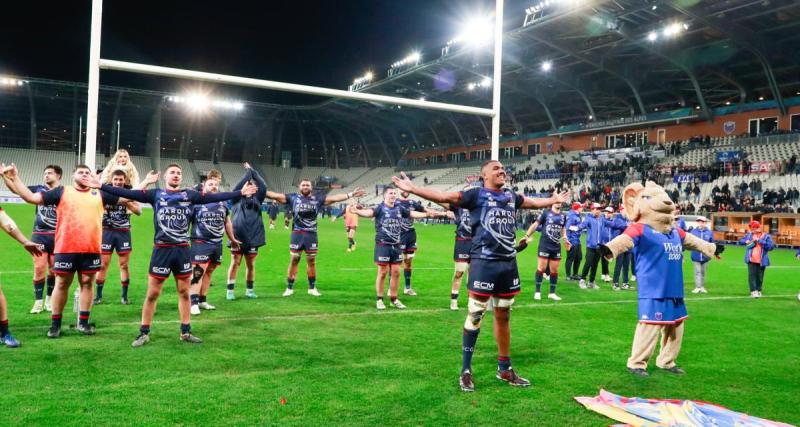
96	64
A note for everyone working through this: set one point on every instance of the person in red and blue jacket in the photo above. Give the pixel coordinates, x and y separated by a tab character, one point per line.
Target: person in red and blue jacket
574	254
758	244
699	260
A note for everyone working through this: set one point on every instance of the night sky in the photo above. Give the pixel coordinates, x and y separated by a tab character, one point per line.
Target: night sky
325	43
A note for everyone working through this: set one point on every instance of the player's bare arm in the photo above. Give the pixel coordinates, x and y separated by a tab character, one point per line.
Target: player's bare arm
278	197
405	184
15	184
335	198
541	203
364	213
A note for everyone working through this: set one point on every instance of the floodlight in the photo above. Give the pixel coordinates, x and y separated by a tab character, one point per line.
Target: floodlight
486	82
652	36
547	66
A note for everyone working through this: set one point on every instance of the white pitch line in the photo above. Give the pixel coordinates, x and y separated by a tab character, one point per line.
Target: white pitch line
373	268
400	312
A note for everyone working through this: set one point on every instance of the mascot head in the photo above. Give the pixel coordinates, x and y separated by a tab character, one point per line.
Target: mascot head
650	205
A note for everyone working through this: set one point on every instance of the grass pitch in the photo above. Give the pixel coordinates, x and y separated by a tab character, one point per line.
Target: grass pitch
335	360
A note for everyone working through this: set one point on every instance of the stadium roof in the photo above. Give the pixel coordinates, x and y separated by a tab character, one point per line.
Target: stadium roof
565	62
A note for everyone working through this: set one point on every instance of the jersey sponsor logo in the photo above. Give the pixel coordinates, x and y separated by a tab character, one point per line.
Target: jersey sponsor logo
383	258
674	251
515	284
201	257
463	256
62	265
160	270
187	266
125	244
485	286
96	261
105	246
294	246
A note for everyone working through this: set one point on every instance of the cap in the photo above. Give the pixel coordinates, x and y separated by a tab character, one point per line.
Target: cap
754	225
701	218
597	206
576	206
610	209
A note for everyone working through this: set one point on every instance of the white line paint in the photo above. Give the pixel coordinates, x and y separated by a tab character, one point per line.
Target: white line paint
392	312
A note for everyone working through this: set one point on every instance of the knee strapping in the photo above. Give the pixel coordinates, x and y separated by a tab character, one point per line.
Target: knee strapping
475	312
295	256
462	267
502	302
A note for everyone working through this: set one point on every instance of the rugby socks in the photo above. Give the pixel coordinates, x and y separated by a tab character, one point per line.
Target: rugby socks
203	298
289	283
407	275
393	299
553	282
453	295
380	298
51	284
468	348
3	327
99	293
186	329
144	329
83	318
195	299
38	289
539	278
503	363
350	243
249	285
55	321
230	285
312	282
125	284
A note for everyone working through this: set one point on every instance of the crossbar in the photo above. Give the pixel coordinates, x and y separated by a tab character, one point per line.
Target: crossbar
110	64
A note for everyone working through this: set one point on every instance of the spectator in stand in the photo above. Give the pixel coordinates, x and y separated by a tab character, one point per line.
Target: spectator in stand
696	193
757	244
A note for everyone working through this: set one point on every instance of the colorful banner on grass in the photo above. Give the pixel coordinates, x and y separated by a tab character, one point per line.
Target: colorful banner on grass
639	412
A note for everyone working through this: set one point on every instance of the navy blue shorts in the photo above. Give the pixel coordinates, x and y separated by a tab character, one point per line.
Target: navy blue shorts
461	250
303	241
47	241
203	252
116	240
70	263
408	241
244	250
387	254
498	278
549	252
167	260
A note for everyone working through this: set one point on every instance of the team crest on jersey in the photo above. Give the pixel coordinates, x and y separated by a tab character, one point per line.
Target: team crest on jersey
659	315
94	192
184	196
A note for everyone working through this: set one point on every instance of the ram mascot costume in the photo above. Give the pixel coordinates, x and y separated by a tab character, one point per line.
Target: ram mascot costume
658	247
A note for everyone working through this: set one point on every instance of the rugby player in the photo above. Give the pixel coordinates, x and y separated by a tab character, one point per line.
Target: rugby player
493	271
248	230
350	225
461	248
552	233
209	222
388	225
172	211
44	230
79	233
305	205
273	213
408	239
116	237
10	227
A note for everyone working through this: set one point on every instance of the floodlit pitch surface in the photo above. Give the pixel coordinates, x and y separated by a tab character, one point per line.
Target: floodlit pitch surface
336	360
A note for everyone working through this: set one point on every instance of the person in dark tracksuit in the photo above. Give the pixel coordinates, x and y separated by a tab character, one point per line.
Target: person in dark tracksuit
575	253
605	236
248	229
757	245
593	224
